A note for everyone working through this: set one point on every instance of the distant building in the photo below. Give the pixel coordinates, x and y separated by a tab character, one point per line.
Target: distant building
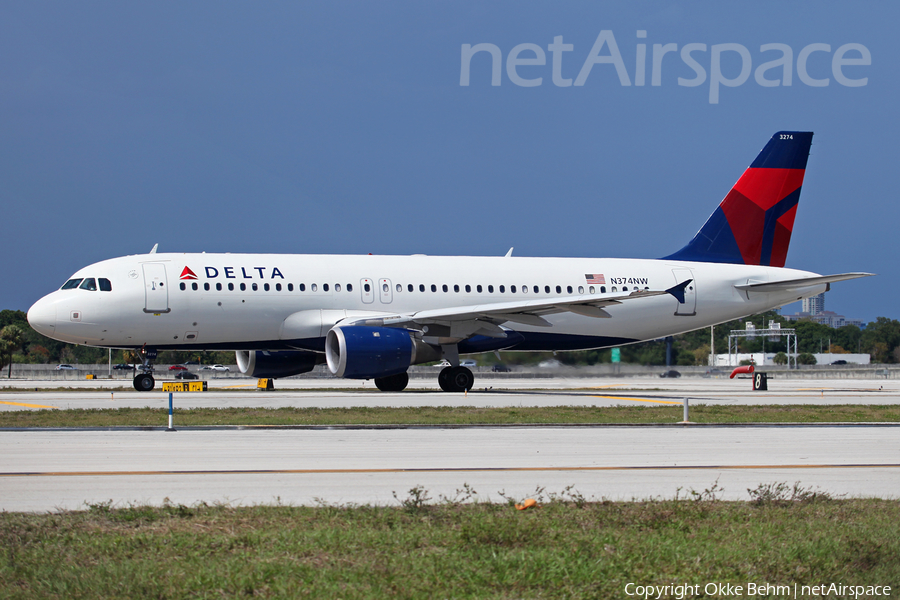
814	305
813	308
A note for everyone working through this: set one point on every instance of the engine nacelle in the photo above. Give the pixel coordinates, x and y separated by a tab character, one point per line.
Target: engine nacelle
260	363
360	352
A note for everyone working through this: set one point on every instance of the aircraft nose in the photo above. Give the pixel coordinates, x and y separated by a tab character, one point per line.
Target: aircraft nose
42	317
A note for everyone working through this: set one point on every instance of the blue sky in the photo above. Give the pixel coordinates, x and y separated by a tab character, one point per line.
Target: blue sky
343	128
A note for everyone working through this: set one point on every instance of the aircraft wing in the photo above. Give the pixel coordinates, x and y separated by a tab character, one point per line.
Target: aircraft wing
796	284
484	319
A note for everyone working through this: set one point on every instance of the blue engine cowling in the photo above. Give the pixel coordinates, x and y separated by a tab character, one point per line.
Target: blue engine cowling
359	352
260	363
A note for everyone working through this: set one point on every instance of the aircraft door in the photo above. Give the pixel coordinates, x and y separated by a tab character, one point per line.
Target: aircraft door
156	291
384	288
689	308
366	287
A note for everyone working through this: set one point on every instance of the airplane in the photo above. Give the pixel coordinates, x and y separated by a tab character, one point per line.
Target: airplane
372	317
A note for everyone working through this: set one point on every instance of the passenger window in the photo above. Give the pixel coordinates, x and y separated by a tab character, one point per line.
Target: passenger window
624	288
277	287
89	284
367	287
559	289
195	287
218	287
313	287
384	287
444	287
490	289
324	287
230	287
502	289
468	289
512	289
478	288
243	287
399	288
546	289
433	288
569	289
105	285
290	287
456	287
337	287
255	287
580	289
615	289
421	287
71	284
349	287
524	289
592	289
206	286
266	287
302	287
410	288
537	290
602	289
182	286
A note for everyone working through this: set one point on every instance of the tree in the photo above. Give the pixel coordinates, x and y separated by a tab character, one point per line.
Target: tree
12	339
780	359
806	359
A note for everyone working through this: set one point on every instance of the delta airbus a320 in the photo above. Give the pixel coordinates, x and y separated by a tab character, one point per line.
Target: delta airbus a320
371	317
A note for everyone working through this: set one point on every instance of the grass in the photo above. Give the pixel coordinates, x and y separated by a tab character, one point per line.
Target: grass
567	548
443	415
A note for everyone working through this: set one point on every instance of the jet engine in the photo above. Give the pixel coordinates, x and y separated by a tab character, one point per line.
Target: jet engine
260	363
362	352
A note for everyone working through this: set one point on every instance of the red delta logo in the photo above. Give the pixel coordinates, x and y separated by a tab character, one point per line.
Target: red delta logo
188	274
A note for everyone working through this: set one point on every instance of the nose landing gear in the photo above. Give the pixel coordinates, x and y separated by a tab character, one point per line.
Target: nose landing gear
144	382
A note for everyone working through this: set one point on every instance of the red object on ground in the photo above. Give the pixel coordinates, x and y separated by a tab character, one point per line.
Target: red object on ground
744	369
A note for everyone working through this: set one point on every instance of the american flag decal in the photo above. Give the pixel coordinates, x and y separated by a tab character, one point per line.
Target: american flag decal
595	278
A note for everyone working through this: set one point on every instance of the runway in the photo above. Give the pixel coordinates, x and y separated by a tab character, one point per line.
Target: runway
53	470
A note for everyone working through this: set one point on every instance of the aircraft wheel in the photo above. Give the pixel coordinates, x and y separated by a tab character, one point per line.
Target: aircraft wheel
392	383
144	382
444	379
456	379
462	379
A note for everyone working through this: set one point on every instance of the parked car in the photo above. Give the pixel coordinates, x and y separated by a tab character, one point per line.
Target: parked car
123	367
468	363
549	364
670	373
840	362
186	375
178	368
501	368
215	368
65	368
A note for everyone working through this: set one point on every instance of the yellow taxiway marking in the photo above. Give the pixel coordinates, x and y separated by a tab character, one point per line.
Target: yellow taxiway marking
606	387
229	387
636	399
440	470
28	405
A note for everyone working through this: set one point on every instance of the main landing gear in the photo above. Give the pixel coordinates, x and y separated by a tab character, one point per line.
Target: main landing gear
456	379
392	383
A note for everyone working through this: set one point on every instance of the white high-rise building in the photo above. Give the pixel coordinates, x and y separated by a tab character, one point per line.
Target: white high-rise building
814	305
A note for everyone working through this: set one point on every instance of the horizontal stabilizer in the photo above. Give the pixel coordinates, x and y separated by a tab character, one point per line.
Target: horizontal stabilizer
796	284
678	290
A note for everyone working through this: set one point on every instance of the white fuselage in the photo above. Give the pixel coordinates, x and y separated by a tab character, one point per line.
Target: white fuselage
244	301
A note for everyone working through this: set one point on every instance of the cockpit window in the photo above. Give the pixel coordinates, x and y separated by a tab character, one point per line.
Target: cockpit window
71	284
105	285
89	284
